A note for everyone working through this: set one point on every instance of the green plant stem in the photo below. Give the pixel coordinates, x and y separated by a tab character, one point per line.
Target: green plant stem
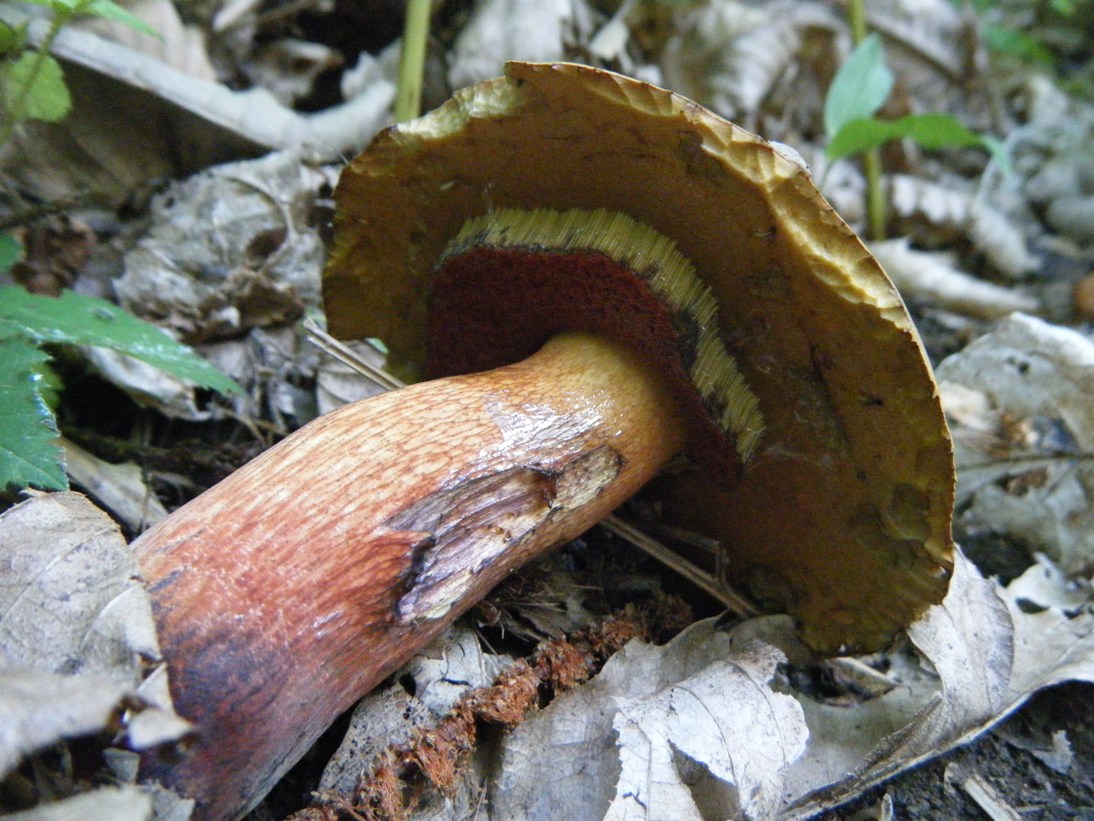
856	16
408	98
875	194
18	108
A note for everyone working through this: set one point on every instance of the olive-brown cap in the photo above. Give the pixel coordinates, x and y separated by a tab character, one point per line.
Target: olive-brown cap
841	514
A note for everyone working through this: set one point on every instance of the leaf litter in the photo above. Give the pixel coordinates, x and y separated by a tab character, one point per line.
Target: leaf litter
678	725
78	650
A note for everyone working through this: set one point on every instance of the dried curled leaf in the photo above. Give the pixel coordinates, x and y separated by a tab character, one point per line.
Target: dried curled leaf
730	56
948	209
658	733
1023	452
258	265
932	275
985	656
682	749
77	639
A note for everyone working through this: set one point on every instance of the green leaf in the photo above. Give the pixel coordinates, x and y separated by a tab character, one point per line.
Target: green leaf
11	251
860	87
34	88
932	131
84	320
29	453
64	8
13	39
100	8
112	11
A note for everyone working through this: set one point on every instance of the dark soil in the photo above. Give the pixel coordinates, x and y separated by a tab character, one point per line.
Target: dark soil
1007	760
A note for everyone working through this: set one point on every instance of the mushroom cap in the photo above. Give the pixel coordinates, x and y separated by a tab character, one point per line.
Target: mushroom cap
842	512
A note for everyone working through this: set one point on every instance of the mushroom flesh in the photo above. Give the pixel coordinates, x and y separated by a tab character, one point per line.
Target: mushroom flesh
601	276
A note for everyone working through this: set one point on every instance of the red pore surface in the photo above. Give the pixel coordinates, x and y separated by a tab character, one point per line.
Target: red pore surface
490	307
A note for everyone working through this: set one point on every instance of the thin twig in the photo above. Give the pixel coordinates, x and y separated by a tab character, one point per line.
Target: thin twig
711	585
344	354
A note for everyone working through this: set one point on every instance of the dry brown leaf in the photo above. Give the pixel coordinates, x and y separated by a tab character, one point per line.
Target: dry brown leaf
338	384
501	30
69	599
161	122
729	55
77	639
940	61
933	32
683	753
985	657
685	730
179	46
698	711
932	275
121	488
114	803
38	708
1024	458
948	209
229	249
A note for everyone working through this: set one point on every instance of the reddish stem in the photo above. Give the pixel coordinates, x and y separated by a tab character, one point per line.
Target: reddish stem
292	588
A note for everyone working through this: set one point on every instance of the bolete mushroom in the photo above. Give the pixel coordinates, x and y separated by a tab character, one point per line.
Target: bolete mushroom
623	277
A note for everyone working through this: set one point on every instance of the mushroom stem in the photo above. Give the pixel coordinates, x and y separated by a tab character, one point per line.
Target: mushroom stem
296	585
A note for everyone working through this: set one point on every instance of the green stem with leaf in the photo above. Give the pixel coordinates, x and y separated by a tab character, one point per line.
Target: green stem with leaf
18	108
875	195
38	91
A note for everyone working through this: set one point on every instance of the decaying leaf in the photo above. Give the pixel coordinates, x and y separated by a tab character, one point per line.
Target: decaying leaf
730	55
229	249
948	209
705	728
1054	159
69	601
121	488
147	385
683	751
183	123
934	50
984	656
77	640
501	30
39	708
932	275
123	803
661	732
179	46
1023	447
338	384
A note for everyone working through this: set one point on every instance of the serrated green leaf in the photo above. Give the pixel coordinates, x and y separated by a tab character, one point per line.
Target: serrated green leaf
112	11
860	87
932	131
84	320
10	251
34	88
30	455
